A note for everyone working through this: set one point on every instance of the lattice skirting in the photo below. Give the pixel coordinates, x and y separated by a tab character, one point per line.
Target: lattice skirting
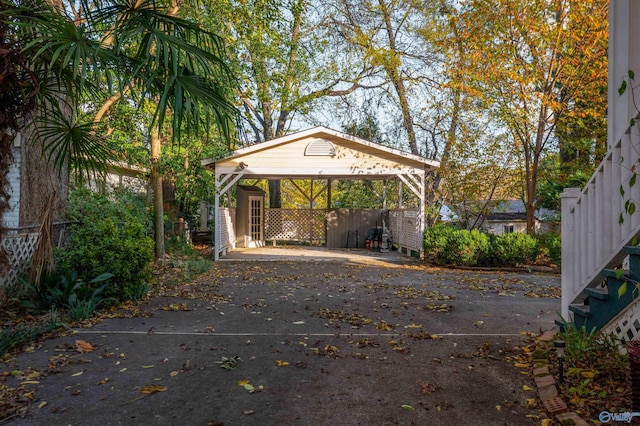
20	248
295	225
626	326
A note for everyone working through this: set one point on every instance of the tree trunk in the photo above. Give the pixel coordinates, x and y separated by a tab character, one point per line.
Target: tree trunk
156	188
394	73
38	182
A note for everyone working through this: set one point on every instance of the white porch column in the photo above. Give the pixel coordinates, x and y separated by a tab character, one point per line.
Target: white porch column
569	251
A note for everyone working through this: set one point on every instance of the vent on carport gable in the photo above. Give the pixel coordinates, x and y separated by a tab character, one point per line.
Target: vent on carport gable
320	147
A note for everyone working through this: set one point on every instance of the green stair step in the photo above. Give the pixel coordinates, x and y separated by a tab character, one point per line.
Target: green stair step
634	260
631	250
581	314
602	304
584	310
597	292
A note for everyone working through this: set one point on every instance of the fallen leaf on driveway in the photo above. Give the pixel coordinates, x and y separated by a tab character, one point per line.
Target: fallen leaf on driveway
83	346
407	407
153	388
248	386
527	388
228	363
281	363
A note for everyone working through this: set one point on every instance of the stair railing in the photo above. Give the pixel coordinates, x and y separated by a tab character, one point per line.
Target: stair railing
599	220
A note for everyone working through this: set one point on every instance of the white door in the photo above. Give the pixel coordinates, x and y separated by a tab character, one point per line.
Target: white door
256	212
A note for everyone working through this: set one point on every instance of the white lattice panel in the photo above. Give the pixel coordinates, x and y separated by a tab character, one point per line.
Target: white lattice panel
227	230
295	225
20	249
626	326
405	232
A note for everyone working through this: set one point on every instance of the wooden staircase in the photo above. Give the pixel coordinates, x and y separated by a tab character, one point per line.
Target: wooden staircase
605	301
601	222
598	234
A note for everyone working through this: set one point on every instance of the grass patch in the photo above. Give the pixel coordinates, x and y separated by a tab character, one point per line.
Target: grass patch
23	333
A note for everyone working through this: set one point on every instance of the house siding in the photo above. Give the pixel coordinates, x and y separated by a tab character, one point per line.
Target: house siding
11	218
497	228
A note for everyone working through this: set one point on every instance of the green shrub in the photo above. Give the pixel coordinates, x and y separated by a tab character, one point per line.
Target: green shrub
63	289
108	235
436	240
466	248
512	249
552	243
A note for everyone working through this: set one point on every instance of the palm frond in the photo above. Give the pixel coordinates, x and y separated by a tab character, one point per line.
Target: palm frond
69	144
175	61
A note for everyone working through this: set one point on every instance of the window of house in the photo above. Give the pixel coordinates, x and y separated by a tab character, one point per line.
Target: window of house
507	229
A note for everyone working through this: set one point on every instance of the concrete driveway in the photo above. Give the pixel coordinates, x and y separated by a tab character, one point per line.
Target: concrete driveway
349	341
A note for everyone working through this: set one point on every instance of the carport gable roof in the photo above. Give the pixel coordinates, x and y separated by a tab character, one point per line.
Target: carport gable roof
320	153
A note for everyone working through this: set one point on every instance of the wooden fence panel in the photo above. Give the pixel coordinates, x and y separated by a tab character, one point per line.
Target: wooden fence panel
349	228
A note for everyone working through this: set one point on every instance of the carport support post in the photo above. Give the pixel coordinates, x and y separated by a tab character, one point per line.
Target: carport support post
216	220
421	213
384	194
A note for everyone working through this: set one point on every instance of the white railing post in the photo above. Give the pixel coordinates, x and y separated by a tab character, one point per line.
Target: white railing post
569	250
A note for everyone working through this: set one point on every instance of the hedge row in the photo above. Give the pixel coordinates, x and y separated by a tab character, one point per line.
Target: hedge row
446	245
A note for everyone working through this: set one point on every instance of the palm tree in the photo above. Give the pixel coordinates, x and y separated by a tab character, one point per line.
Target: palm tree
57	59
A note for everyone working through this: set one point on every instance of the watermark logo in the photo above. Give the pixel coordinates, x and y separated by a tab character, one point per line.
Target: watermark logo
606	417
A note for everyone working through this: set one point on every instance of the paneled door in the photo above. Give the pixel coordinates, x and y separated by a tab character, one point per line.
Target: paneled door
256	221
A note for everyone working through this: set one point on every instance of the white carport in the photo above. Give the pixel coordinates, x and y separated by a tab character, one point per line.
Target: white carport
319	154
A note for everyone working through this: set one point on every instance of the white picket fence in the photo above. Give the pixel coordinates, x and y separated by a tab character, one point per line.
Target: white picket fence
596	223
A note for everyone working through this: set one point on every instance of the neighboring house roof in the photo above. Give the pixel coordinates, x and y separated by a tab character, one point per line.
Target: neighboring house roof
121	168
509	206
506	217
506	210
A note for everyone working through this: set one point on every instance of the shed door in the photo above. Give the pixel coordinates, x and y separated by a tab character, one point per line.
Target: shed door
256	220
